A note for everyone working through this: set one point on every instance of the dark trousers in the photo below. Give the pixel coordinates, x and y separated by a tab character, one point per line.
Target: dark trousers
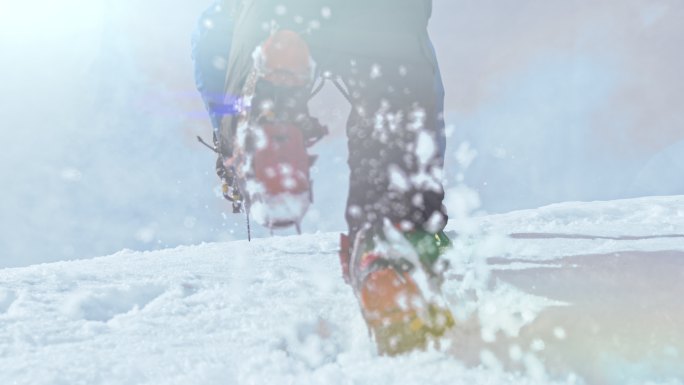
381	51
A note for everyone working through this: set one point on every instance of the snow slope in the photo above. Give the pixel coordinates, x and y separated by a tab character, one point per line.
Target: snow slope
581	292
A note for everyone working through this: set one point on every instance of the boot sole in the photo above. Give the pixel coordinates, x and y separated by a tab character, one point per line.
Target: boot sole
392	306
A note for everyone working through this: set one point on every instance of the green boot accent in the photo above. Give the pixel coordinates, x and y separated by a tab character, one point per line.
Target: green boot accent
429	246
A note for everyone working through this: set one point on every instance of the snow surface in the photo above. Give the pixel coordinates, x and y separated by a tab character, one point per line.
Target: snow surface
582	292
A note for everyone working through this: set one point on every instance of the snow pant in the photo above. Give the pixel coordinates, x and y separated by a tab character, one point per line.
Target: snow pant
381	51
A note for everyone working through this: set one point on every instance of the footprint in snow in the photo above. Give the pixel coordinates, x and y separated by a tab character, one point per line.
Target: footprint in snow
314	343
7	298
103	304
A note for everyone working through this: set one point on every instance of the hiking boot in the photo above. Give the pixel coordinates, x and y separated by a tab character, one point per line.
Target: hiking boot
397	288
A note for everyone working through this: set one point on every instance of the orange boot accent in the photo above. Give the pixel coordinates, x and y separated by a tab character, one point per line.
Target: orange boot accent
287	59
390	301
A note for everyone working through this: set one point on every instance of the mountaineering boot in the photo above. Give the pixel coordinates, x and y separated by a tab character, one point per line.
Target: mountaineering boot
397	285
274	130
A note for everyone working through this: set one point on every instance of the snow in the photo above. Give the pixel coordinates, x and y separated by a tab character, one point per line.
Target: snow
569	297
636	217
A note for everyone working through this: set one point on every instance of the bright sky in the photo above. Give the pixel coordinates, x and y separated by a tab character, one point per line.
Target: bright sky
24	21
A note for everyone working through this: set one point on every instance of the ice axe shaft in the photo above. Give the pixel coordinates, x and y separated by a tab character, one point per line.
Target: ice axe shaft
212	148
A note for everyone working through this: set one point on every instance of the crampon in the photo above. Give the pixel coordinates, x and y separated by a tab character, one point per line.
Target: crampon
401	303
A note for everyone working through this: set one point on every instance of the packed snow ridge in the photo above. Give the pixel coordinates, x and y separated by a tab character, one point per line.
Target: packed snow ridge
571	293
